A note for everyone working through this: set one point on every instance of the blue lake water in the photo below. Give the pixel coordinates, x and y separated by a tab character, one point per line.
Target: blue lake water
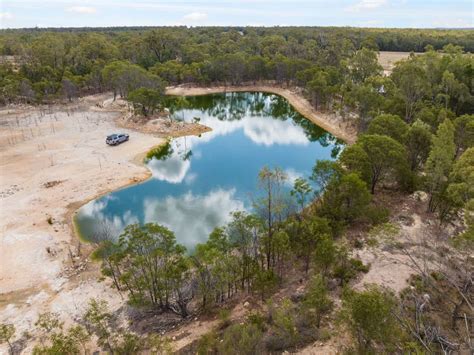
201	180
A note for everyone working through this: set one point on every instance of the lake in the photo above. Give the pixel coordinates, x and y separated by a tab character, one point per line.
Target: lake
198	181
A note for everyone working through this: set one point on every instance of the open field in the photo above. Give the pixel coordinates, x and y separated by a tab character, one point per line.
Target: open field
388	60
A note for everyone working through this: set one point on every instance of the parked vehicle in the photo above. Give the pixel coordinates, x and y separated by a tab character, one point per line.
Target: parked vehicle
115	139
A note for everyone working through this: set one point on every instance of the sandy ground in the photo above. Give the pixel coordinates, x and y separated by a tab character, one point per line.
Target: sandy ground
336	125
63	148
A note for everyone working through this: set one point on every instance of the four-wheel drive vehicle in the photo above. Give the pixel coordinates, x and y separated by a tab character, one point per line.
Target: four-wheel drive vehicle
115	139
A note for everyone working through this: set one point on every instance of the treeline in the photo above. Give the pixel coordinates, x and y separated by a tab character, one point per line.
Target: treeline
398	40
336	72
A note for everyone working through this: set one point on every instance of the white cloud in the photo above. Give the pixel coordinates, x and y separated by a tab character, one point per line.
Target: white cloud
82	9
193	217
292	175
195	16
364	5
453	23
172	170
5	16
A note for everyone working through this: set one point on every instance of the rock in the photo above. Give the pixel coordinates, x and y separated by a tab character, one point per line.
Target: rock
420	196
246	304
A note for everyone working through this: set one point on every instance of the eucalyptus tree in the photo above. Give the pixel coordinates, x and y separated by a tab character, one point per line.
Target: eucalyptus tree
439	163
345	200
149	265
418	143
301	192
376	158
270	206
389	125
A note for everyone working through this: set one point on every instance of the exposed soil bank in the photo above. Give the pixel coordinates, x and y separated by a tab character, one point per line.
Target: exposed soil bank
334	124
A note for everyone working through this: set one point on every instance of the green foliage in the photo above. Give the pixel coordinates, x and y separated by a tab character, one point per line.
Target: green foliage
162	152
265	282
145	101
54	340
464	132
207	343
418	143
369	315
347	268
323	172
153	268
284	333
301	190
376	158
311	232
325	254
344	201
7	332
271	207
439	164
97	319
363	64
240	339
389	125
316	301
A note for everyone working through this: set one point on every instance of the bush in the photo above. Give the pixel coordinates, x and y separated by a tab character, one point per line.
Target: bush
241	339
283	332
377	214
369	315
207	344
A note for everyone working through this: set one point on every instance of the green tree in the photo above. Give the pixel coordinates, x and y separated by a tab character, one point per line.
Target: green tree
271	206
316	300
301	190
145	101
412	85
265	282
460	191
364	64
389	125
323	172
344	201
464	133
97	319
418	144
244	232
311	231
152	268
325	255
439	163
384	157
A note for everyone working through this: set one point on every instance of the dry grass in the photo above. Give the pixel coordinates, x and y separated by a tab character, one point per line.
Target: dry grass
388	59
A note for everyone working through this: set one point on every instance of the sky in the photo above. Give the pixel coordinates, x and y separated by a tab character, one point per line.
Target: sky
360	13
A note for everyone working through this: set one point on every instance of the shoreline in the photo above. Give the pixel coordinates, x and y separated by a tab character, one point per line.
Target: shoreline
66	146
329	122
295	99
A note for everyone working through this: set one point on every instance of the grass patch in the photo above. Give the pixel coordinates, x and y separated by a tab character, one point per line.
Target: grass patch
382	232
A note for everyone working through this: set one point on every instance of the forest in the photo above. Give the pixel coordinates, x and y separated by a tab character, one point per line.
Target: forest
416	135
